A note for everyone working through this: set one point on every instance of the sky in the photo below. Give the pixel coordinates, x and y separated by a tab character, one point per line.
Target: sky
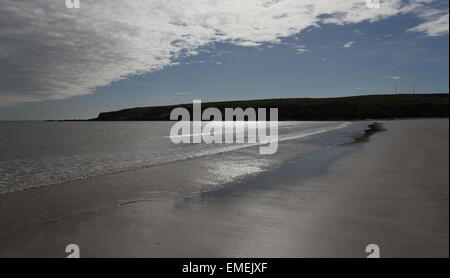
61	63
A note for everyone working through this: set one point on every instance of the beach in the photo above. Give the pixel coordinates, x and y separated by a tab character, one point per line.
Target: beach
390	190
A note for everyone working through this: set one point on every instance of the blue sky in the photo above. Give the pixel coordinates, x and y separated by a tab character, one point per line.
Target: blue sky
321	60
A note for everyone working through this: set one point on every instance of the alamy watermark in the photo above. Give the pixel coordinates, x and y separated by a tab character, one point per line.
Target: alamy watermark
73	4
73	250
238	124
373	4
373	250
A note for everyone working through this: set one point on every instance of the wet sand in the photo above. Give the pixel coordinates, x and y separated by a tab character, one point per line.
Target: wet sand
391	191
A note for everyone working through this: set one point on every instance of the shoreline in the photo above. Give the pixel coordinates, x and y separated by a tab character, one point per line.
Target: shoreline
371	129
328	204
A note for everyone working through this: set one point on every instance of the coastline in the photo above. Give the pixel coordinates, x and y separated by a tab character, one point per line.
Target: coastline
333	203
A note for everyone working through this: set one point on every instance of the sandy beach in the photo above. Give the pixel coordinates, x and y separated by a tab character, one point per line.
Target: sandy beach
391	190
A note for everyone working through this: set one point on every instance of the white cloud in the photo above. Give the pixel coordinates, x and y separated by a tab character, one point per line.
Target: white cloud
393	77
50	52
432	28
358	32
348	44
300	48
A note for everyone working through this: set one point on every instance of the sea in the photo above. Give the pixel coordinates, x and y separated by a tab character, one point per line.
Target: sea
40	154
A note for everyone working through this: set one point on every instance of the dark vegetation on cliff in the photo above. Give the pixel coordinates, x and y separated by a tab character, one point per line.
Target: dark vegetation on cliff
313	109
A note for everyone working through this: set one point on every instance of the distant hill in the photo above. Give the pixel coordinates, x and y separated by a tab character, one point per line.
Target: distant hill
312	109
